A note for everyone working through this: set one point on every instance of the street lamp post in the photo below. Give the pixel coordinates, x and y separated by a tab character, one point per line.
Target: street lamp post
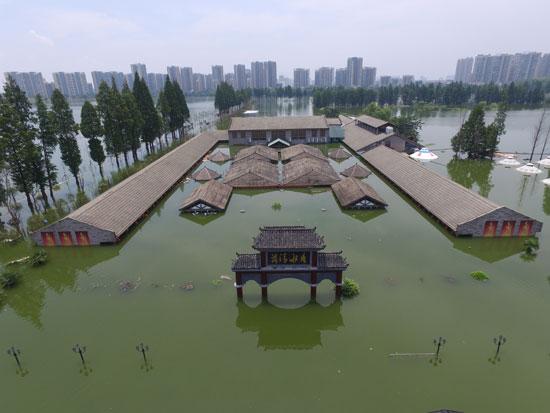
80	350
143	349
15	353
499	342
439	342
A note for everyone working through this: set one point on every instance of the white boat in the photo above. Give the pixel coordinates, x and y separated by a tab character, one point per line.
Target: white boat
509	161
545	162
546	181
529	169
424	155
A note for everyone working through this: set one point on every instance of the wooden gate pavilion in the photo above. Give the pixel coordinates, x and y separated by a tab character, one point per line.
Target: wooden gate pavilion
289	252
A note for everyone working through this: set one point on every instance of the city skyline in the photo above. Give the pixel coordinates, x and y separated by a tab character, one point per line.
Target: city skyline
107	36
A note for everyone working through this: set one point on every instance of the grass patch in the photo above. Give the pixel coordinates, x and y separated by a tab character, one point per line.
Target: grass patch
9	279
276	206
39	258
479	276
350	288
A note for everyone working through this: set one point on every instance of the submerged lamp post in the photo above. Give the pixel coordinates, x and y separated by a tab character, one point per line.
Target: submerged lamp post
15	353
143	349
80	350
439	342
499	342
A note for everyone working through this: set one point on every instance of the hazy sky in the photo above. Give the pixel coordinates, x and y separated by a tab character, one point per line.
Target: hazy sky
420	37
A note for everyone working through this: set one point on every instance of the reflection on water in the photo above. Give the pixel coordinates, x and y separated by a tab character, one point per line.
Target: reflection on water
363	215
274	106
488	249
283	329
468	172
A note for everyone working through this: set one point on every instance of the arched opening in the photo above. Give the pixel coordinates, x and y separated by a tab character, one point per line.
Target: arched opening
288	293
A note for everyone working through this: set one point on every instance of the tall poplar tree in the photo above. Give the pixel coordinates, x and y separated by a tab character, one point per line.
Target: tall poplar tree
17	135
151	120
133	121
181	112
66	130
47	141
90	127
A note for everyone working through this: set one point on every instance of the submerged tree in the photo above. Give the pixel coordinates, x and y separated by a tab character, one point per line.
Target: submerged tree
90	127
133	122
17	135
225	97
47	141
66	130
151	121
477	140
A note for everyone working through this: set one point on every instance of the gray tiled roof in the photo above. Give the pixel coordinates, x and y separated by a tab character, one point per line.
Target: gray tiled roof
351	190
118	208
356	171
448	201
331	260
358	138
213	193
246	262
288	237
278	123
372	121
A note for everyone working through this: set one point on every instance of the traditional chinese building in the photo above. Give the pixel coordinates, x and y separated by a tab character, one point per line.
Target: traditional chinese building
289	252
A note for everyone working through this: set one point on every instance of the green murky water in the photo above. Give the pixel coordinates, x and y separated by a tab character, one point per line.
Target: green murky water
210	353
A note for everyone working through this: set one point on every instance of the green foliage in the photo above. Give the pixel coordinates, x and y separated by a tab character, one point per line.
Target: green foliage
66	130
530	249
47	140
102	186
90	126
9	279
479	276
49	216
226	97
468	172
350	288
146	106
276	206
477	140
132	121
80	199
39	258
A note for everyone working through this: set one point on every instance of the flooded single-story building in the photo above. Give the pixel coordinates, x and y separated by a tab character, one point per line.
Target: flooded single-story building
210	197
278	131
365	133
353	193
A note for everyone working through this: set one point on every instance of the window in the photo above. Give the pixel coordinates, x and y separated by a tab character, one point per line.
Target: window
507	228
299	134
314	133
525	228
322	133
82	238
278	134
48	239
490	228
65	238
258	134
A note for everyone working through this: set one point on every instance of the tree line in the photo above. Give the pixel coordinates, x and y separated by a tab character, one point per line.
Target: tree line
226	97
452	94
117	126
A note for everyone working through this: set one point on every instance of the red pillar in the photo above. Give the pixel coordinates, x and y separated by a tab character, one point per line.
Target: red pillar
239	285
313	285
339	284
264	285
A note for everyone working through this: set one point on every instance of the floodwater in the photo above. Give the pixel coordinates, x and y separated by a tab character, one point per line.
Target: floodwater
208	352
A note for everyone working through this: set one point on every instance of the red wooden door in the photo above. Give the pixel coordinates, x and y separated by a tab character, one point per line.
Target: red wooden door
507	228
48	239
65	239
82	238
525	228
490	229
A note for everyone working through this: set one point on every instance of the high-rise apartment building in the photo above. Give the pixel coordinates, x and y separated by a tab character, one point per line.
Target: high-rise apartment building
523	66
340	77
217	76
187	79
257	75
174	73
209	82
385	80
408	79
239	73
368	76
301	78
270	68
324	77
32	83
72	84
155	82
463	72
502	68
140	69
199	82
107	77
354	69
543	68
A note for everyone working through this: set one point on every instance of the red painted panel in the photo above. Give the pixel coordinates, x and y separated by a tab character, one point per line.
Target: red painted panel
65	239
48	239
525	228
82	238
507	228
490	229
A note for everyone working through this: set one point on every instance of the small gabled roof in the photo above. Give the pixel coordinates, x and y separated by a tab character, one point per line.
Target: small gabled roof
269	154
372	121
334	121
212	193
288	154
339	154
349	191
259	173
312	169
205	174
357	171
288	238
358	138
331	261
219	156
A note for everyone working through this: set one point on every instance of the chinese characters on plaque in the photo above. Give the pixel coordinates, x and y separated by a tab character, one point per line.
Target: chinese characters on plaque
288	258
